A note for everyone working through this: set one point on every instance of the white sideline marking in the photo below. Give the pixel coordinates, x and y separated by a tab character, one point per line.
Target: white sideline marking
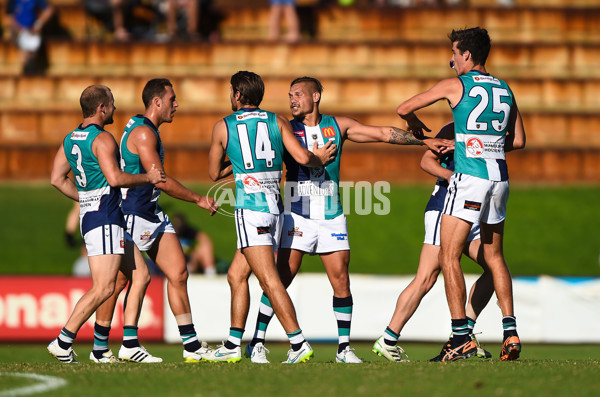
47	383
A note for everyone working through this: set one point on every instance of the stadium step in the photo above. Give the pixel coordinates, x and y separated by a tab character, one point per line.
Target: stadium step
200	93
192	126
399	59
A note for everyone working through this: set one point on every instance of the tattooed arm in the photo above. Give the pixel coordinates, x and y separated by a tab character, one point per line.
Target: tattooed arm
361	133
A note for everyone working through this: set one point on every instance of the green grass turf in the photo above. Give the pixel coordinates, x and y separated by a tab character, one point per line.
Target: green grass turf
549	230
561	370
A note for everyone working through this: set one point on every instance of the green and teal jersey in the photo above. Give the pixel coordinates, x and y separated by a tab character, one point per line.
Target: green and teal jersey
481	121
141	200
255	149
98	202
314	191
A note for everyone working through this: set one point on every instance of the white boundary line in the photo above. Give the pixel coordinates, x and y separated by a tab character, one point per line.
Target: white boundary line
47	383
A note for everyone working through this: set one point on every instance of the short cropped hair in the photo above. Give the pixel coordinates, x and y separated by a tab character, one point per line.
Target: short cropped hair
317	86
476	40
92	97
250	86
154	88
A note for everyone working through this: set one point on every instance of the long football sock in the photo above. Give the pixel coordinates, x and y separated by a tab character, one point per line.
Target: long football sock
66	338
390	337
189	337
130	336
235	338
470	324
342	309
509	325
265	314
296	340
100	340
460	330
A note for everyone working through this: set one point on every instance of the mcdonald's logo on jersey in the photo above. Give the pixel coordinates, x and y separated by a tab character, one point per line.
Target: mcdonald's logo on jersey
328	132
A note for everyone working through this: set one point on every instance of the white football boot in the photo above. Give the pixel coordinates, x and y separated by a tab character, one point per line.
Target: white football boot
347	356
305	353
62	355
392	353
137	355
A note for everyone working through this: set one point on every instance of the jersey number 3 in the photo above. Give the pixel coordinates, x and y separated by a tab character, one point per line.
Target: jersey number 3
81	178
499	107
263	150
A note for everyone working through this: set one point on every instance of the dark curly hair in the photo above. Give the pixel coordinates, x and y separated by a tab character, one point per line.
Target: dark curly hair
476	40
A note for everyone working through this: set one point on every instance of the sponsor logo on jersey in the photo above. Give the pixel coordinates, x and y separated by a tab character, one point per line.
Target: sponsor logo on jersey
328	132
79	135
340	236
472	205
299	133
251	184
475	146
252	115
486	79
295	232
263	230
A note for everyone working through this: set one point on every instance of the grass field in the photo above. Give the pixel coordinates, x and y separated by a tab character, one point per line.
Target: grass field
543	370
550	230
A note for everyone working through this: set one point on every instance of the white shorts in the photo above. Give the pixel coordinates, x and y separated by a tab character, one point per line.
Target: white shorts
144	233
255	228
433	220
105	240
315	236
476	200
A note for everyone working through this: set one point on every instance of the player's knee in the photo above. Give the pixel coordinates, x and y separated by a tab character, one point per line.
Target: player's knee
104	291
145	279
234	279
341	282
179	277
426	282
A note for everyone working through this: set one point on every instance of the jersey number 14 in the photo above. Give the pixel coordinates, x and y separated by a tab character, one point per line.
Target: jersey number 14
263	150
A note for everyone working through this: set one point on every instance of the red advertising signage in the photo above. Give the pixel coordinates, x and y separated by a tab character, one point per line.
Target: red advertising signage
36	308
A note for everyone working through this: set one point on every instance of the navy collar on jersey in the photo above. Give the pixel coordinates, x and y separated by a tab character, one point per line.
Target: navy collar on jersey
81	127
300	121
148	122
477	71
253	109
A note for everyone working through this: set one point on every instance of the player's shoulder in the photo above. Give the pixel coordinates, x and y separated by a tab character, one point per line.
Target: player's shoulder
447	131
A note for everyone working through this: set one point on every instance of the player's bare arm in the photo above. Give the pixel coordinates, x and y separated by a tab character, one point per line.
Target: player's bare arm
515	139
105	149
361	133
319	156
450	89
218	168
144	142
59	176
430	164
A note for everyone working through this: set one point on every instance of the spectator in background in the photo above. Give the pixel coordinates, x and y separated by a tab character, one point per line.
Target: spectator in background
187	11
112	14
197	246
287	8
27	18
